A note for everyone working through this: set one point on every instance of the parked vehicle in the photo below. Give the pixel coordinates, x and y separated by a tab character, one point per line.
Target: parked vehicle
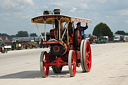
8	45
125	38
116	38
30	45
92	39
102	40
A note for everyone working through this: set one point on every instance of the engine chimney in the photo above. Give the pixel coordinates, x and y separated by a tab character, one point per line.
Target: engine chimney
47	12
56	11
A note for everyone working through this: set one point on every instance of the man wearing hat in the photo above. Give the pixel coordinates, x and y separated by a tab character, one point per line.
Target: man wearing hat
79	27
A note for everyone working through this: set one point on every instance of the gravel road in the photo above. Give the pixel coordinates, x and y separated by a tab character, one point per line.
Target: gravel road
109	67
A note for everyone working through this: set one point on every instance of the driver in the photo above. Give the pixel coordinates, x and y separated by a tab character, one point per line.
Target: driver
70	29
79	27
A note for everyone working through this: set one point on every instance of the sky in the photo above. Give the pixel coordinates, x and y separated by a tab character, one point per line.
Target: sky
15	15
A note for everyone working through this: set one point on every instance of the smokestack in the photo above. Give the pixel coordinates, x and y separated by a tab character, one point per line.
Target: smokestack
56	11
47	12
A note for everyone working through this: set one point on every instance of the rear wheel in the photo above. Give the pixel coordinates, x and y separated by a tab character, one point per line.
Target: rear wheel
57	69
44	64
87	57
72	63
81	51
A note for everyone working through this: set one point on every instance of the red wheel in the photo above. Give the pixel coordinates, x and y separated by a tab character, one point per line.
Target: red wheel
87	57
44	64
72	63
81	51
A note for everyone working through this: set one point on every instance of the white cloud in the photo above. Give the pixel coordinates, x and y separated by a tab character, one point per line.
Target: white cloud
83	6
26	17
9	4
123	12
96	10
102	1
107	17
73	9
16	8
115	1
60	3
28	2
126	21
15	4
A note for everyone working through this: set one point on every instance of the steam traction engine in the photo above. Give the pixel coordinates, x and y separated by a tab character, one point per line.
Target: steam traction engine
64	49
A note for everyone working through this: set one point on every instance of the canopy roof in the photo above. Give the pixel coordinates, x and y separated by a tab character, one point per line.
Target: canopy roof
50	19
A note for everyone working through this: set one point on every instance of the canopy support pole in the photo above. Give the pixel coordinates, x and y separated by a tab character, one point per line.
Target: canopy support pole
67	34
73	27
59	30
45	29
64	31
53	25
39	31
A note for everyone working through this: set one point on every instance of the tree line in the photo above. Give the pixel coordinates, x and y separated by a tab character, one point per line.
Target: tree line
22	34
19	34
121	32
100	29
103	29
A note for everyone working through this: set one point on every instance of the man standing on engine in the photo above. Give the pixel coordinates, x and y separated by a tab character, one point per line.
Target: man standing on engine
79	27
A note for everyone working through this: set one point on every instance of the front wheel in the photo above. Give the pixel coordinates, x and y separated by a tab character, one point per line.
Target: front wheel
44	64
72	63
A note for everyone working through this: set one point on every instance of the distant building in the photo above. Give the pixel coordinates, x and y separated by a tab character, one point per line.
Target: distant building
4	38
1	39
25	39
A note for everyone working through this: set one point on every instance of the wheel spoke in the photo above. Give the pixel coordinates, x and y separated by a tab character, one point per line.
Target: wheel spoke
44	68
44	63
87	62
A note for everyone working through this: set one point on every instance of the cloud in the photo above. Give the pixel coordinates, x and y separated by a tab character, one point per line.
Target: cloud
73	9
15	5
28	2
107	17
126	21
16	9
123	12
60	3
84	6
102	1
109	11
10	4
